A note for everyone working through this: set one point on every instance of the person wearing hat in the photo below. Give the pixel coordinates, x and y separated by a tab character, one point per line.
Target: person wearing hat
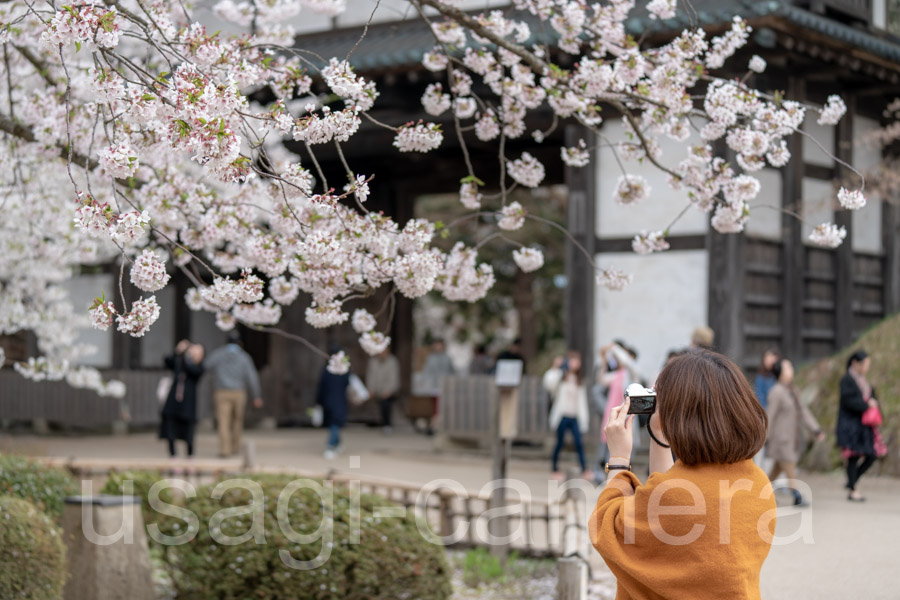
234	375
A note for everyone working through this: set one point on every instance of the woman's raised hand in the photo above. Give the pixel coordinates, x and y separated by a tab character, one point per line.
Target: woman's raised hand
619	431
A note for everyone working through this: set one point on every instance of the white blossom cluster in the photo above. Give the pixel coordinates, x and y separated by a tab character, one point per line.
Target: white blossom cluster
178	157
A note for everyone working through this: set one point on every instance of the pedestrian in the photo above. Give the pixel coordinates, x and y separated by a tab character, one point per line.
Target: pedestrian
332	397
703	337
570	411
618	369
762	384
765	379
234	376
482	363
701	527
179	412
383	382
787	417
437	366
854	437
513	352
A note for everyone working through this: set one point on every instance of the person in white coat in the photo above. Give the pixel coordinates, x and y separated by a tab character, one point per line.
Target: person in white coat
570	410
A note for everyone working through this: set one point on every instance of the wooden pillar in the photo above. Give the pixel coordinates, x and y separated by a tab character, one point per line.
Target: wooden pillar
890	230
843	275
402	332
794	257
580	273
725	312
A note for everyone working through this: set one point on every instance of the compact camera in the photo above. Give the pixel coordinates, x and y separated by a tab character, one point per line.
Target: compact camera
643	400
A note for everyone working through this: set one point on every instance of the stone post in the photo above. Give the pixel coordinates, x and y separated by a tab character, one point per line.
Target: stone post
107	549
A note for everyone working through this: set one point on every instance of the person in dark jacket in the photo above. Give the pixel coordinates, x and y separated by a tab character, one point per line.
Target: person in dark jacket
332	396
857	441
179	413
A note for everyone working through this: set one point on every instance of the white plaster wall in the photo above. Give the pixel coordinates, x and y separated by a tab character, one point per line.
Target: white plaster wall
819	199
867	220
823	134
765	210
655	213
658	312
82	291
879	13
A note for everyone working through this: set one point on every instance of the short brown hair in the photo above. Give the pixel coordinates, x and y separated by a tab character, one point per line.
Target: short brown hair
708	411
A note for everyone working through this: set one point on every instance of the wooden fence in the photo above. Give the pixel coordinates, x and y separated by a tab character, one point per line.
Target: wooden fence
59	403
466	408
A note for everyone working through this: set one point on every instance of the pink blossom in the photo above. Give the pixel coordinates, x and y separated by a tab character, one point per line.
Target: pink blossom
374	343
143	314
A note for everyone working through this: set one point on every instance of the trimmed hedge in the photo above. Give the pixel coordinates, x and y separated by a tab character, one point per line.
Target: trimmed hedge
391	561
43	486
32	552
820	383
143	481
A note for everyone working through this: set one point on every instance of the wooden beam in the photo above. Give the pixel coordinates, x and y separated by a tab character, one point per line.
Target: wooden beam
580	221
890	230
792	236
676	242
818	172
843	291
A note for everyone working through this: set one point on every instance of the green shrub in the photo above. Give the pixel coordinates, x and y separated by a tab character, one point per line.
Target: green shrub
32	552
43	486
391	561
820	382
481	566
142	482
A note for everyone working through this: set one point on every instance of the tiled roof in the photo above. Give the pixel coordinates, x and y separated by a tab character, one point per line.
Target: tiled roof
402	44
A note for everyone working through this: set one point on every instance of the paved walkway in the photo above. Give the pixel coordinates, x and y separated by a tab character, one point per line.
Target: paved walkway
852	551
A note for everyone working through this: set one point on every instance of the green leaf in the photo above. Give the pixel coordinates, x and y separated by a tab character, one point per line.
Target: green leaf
148	97
77	46
472	179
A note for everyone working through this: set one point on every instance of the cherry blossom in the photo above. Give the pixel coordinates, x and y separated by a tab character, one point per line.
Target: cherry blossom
613	279
828	235
645	243
339	363
576	156
374	342
512	217
851	200
149	272
528	259
757	64
418	138
138	320
631	189
173	156
469	195
363	321
102	314
526	170
833	111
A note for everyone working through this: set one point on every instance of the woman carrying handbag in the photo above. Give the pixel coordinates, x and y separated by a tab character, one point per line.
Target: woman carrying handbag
856	426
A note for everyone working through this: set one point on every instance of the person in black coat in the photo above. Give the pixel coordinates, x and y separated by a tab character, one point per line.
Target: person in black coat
179	413
857	441
332	397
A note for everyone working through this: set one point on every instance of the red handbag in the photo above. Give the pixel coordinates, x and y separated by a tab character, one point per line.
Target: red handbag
872	417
